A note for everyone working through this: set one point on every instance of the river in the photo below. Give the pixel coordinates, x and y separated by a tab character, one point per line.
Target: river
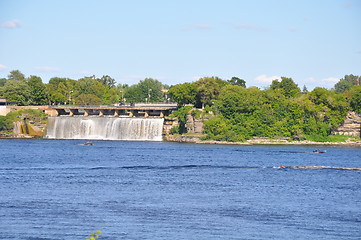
65	190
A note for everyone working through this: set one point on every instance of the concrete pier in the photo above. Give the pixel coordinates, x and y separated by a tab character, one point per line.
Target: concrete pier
145	110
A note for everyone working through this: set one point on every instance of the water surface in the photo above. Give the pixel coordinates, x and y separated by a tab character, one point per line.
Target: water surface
62	189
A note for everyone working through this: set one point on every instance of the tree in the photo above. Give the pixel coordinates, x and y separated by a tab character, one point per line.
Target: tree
147	90
234	100
61	90
16	75
346	83
38	91
304	90
355	99
2	81
89	85
287	85
237	81
107	80
208	89
88	99
6	124
15	91
182	94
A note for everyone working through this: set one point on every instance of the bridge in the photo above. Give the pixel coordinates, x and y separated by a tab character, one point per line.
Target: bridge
132	110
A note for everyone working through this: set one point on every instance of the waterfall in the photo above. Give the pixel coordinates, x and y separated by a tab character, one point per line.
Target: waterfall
106	128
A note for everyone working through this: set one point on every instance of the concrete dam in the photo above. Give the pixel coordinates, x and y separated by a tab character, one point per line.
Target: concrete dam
133	123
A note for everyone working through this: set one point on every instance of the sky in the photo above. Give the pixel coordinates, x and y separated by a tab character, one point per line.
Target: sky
314	42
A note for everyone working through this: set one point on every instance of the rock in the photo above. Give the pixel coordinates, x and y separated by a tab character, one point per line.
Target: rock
351	126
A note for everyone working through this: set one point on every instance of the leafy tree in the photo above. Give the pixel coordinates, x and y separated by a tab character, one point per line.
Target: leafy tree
234	100
208	89
181	114
89	85
110	95
304	90
6	124
15	91
61	90
149	90
237	81
38	91
107	80
2	81
287	85
182	94
16	75
355	99
134	93
346	83
88	99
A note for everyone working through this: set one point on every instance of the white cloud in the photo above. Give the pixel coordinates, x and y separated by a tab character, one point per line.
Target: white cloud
324	82
47	69
330	80
2	67
264	79
11	24
249	27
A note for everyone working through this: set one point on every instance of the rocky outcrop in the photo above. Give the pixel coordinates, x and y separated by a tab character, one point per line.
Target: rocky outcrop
351	126
169	123
193	124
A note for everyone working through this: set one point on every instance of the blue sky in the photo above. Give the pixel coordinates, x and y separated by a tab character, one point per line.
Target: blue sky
315	42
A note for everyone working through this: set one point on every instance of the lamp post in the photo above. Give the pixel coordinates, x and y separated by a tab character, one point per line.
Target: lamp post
149	90
69	99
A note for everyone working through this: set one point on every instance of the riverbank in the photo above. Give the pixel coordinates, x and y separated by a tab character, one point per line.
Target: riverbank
255	141
196	139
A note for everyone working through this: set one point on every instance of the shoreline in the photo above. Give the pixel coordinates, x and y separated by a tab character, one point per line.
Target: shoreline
195	139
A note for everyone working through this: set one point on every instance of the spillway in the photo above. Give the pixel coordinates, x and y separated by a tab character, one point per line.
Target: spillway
105	128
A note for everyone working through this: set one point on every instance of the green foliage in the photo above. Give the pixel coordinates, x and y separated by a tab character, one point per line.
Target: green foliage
2	81
16	75
208	89
147	90
89	86
107	80
61	90
184	93
244	113
175	130
355	99
219	129
38	91
28	113
88	99
17	91
237	81
6	124
181	114
346	83
196	113
288	87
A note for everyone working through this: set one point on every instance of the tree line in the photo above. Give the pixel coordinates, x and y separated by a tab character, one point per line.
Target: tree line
22	90
280	110
238	112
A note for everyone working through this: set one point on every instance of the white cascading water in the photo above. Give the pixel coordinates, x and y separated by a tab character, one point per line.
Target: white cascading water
106	128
